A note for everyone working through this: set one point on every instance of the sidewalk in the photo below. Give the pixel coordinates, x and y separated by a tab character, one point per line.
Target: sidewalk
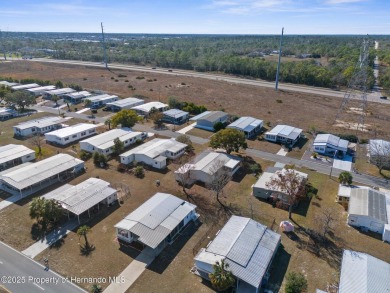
186	129
7	202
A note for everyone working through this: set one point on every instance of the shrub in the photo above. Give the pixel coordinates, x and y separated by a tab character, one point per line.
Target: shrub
99	159
85	156
126	80
139	172
149	80
364	141
279	101
85	78
122	75
116	80
255	168
349	137
296	283
183	83
140	77
112	77
314	154
219	126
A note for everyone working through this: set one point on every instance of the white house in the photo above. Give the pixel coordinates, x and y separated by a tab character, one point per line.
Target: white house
7	83
71	133
329	144
154	152
80	198
208	119
24	86
38	126
57	92
369	209
284	134
250	126
175	116
207	166
13	154
363	273
247	246
77	97
101	100
104	142
157	222
145	109
123	104
29	178
37	91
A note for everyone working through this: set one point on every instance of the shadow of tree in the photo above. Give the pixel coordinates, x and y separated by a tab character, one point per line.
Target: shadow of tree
86	250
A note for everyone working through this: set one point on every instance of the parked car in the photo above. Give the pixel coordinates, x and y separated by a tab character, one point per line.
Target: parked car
383	98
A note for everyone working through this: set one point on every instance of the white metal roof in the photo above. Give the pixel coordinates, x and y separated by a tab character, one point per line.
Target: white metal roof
13	151
156	218
345	190
27	175
25	86
106	139
41	88
148	106
285	131
330	139
70	130
363	273
246	245
62	91
175	113
41	122
246	124
126	102
267	176
79	198
97	98
210	116
156	147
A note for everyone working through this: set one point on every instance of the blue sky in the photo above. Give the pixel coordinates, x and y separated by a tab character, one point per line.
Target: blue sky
199	17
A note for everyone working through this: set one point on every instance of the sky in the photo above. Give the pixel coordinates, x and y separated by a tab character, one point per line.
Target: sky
198	16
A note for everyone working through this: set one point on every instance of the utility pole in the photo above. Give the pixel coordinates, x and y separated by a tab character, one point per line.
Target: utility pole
280	54
104	47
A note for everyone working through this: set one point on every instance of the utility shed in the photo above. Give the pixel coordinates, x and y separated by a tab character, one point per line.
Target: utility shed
24	86
38	126
145	109
71	133
29	178
328	144
363	273
154	152
77	97
284	134
157	222
104	142
12	155
123	104
248	125
8	84
175	116
247	246
82	197
208	119
369	209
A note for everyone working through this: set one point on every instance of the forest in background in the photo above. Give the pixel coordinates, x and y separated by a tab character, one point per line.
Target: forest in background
326	61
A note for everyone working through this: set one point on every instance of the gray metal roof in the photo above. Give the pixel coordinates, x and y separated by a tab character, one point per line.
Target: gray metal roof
285	131
325	139
368	202
363	273
247	246
272	173
156	218
175	113
62	91
246	124
106	139
41	122
27	175
213	116
79	198
13	151
126	102
25	86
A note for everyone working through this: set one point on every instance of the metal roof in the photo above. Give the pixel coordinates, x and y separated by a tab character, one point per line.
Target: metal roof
25	86
79	198
156	147
210	116
13	151
81	94
325	139
270	174
247	246
7	83
70	130
345	190
148	106
106	139
200	115
285	131
66	90
156	218
41	122
175	113
27	175
363	273
41	88
246	124
126	102
368	202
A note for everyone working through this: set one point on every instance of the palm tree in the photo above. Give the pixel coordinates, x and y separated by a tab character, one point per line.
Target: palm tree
83	231
345	178
221	278
108	123
95	288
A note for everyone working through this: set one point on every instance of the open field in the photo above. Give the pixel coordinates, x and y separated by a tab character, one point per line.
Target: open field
300	110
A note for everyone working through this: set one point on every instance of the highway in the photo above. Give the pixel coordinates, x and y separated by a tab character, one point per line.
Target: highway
371	97
20	274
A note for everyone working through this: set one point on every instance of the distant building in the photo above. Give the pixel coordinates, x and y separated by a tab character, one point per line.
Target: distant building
12	155
123	104
24	86
329	144
48	95
284	134
71	134
208	119
175	116
248	125
38	126
247	246
38	91
145	109
7	113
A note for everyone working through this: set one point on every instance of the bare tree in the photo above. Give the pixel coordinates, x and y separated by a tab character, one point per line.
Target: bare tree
380	154
183	176
326	220
220	177
290	183
37	141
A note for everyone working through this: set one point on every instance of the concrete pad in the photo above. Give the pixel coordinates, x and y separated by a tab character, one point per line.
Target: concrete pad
342	165
7	202
279	165
282	152
186	129
83	110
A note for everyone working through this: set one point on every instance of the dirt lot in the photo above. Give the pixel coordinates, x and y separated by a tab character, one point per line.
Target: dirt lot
300	110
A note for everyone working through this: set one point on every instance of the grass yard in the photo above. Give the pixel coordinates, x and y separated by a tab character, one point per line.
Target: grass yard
263	145
200	133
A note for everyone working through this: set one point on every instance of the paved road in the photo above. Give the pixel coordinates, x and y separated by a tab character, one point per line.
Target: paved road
372	97
30	274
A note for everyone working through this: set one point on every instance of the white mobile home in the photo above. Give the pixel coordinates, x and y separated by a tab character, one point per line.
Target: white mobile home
29	178
24	86
248	125
123	104
284	134
329	144
12	155
145	109
157	222
48	95
8	84
80	198
38	91
7	113
101	100
70	134
208	119
38	126
175	116
247	246
155	152
208	165
104	142
77	97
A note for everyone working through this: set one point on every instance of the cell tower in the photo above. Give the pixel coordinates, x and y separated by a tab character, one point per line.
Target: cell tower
280	54
357	89
104	47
